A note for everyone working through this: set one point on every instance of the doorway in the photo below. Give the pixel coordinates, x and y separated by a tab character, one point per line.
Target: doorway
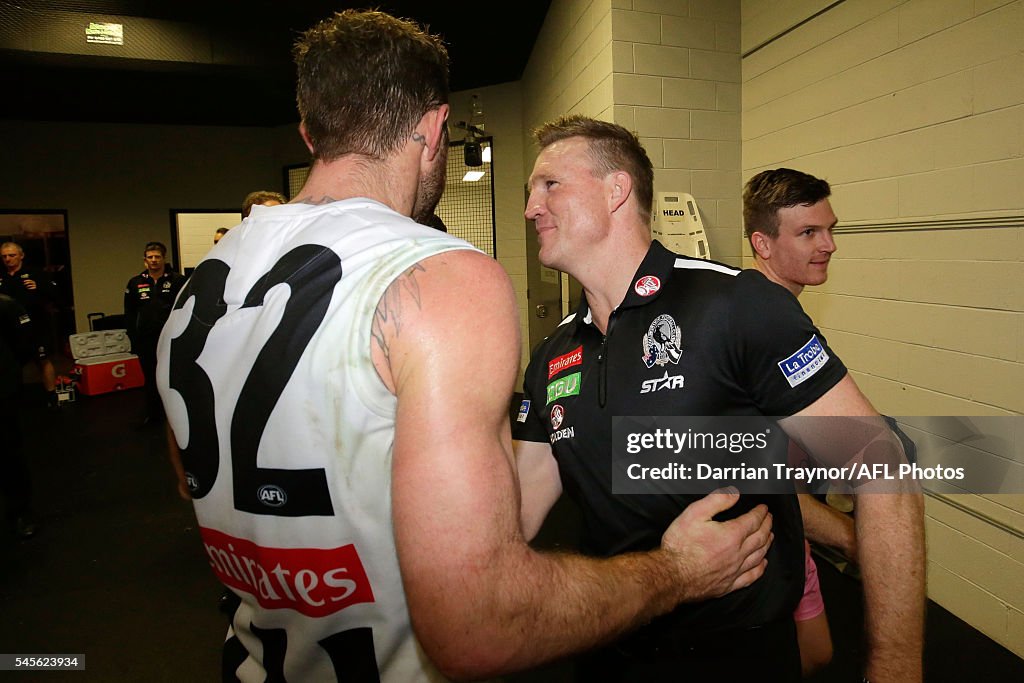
43	236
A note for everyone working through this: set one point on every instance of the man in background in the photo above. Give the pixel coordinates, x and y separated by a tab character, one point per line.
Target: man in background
36	292
148	298
327	437
788	221
219	234
260	198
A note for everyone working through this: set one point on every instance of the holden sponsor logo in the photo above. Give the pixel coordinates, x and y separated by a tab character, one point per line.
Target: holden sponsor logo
315	582
557	415
272	495
565	361
663	343
666	381
647	285
566	433
564	386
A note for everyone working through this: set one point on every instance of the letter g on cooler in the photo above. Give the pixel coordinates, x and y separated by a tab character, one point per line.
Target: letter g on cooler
119	370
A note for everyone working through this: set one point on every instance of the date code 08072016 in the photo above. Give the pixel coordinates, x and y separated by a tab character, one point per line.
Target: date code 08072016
18	662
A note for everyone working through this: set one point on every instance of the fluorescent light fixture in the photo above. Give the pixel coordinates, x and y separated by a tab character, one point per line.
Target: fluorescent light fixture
472	176
486	158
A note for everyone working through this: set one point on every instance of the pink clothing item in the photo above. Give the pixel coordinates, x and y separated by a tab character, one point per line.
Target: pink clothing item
811	604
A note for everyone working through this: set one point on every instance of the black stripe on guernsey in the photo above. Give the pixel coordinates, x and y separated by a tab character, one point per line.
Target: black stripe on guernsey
233	656
353	655
275	644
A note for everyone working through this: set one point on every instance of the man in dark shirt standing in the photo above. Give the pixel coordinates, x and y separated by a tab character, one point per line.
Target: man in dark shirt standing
35	291
657	334
148	298
16	341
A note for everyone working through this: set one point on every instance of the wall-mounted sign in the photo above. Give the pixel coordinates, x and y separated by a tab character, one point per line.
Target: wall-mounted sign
109	34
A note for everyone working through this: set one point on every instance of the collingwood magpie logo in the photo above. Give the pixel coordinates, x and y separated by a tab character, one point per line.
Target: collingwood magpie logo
663	343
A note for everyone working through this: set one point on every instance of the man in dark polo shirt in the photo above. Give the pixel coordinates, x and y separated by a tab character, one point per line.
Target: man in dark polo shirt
148	298
37	292
657	334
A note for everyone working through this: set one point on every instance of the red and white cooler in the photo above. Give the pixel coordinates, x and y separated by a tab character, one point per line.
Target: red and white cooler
103	362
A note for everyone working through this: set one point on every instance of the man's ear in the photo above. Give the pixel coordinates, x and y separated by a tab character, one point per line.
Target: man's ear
762	244
305	136
620	186
432	127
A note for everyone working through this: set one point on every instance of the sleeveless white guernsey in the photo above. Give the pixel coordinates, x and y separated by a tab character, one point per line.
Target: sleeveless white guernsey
288	443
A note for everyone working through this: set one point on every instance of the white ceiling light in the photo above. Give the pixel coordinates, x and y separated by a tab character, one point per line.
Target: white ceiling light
472	176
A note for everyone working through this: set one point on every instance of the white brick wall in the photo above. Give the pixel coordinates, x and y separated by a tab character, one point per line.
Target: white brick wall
914	111
677	83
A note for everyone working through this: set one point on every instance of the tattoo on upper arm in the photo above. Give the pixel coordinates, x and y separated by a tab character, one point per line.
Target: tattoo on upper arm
387	319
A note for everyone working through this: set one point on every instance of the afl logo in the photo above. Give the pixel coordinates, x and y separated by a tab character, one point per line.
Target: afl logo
557	414
272	495
647	285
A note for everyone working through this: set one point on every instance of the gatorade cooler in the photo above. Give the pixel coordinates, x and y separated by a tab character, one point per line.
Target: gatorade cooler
103	362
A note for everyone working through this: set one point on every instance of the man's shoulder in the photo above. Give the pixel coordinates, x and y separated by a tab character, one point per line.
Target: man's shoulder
733	287
687	273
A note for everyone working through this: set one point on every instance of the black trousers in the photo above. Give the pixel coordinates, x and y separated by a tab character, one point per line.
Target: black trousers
15	481
145	348
765	654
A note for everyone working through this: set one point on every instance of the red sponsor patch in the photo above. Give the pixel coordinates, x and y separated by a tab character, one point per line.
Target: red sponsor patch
312	581
647	285
556	365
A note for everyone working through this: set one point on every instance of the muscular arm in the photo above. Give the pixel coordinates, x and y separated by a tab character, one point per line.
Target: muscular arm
539	483
889	529
482	601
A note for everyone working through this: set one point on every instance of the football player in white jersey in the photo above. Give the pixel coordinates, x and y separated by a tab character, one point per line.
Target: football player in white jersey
338	380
